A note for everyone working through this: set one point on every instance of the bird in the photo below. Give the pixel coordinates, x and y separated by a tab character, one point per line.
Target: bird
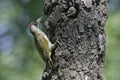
42	42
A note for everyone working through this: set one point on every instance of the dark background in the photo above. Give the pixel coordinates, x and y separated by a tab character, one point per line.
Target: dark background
19	59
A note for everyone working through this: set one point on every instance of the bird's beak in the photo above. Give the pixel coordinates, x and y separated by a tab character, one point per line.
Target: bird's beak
39	19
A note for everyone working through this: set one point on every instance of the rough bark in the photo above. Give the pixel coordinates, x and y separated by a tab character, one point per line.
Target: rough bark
79	27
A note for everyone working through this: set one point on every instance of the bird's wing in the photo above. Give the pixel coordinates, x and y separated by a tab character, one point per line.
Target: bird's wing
43	41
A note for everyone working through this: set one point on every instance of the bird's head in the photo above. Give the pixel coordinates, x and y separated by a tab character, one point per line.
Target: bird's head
34	26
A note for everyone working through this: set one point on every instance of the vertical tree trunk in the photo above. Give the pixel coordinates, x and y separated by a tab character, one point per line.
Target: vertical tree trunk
79	27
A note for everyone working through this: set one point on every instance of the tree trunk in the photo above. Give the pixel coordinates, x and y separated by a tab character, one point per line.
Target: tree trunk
79	27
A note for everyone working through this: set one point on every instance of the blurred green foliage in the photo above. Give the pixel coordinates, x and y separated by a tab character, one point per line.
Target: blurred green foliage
19	59
112	64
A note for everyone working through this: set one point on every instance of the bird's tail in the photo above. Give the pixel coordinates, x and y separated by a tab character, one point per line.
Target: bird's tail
50	63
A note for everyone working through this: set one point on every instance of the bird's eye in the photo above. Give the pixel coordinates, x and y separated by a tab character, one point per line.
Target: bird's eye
35	23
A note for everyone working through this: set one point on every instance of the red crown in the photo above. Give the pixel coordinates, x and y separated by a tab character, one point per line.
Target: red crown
30	25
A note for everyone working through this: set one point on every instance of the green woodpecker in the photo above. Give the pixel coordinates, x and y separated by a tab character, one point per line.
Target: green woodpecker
42	43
